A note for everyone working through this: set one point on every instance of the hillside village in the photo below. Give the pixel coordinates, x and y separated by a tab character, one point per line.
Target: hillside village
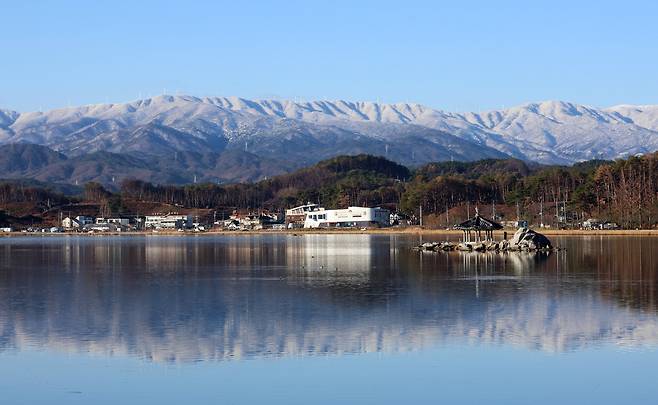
355	191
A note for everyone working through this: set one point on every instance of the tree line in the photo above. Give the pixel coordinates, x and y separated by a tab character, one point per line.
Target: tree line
624	191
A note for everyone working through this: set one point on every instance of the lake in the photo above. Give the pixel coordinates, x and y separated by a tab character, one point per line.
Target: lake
325	319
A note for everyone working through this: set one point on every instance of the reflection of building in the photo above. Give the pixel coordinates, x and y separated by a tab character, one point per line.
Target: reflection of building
348	217
220	298
350	255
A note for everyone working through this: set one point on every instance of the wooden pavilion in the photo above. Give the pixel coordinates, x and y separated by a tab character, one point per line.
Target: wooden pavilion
474	227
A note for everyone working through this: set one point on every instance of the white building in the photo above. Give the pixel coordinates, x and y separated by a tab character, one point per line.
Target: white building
119	221
168	221
84	220
348	217
77	223
6	229
70	223
296	216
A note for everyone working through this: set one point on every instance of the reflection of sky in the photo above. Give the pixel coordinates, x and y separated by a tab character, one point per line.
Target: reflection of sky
450	374
206	298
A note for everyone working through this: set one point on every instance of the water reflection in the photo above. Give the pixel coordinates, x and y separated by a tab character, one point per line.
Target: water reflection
214	298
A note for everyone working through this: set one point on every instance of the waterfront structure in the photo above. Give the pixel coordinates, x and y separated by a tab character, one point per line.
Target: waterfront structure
115	221
473	228
348	217
168	221
295	217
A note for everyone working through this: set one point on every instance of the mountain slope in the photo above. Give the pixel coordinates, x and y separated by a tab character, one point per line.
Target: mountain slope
28	161
547	132
304	133
167	124
26	158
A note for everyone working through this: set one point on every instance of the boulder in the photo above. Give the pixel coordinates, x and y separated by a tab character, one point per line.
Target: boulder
492	245
527	239
465	247
447	246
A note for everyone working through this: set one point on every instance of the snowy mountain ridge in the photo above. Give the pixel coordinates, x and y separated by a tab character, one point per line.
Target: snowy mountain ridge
546	132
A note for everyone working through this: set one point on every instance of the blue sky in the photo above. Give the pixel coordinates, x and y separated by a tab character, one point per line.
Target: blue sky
452	55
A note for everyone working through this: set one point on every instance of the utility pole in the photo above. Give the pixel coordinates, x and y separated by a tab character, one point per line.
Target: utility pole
468	209
564	210
541	213
421	215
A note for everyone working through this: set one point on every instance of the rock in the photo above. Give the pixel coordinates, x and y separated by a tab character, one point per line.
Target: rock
492	246
447	246
527	239
479	247
466	247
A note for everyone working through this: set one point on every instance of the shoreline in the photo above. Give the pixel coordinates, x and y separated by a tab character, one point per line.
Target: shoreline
383	231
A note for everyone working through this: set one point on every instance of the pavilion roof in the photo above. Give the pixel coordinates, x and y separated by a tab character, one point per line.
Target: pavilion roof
478	223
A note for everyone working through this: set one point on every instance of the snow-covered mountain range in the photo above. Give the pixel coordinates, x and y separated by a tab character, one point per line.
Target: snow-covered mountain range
546	132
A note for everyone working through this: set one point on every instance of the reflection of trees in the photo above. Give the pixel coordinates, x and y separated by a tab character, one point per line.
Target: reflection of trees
626	268
218	298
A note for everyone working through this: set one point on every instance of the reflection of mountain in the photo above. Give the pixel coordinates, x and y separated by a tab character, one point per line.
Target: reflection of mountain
182	299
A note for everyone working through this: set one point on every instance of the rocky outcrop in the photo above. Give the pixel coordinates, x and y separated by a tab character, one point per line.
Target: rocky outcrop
528	239
436	246
525	239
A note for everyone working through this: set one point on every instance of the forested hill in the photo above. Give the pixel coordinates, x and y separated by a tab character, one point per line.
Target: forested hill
624	191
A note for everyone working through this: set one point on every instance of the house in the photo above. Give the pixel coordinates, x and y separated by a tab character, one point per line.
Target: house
397	218
6	229
522	223
78	222
247	221
118	221
592	223
348	217
99	227
168	221
84	220
71	223
253	221
231	225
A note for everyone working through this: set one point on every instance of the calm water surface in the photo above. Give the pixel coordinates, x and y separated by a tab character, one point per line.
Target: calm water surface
325	319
